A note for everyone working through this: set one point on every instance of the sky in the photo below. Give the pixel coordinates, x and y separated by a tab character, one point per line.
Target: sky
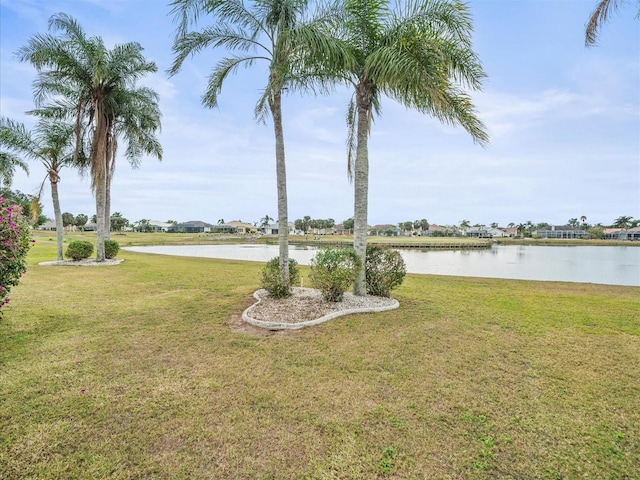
563	120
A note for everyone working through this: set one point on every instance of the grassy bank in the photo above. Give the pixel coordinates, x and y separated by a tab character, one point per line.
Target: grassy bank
143	370
127	239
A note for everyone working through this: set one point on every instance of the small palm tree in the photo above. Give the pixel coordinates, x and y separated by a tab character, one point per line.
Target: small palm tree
50	143
265	221
421	56
96	88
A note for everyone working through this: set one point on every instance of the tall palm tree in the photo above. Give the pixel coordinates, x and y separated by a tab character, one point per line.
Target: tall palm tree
270	31
96	87
600	15
50	143
419	55
8	164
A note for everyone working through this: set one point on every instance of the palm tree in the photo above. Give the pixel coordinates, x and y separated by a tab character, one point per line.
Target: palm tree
268	31
8	164
264	222
422	57
96	87
623	222
51	143
599	16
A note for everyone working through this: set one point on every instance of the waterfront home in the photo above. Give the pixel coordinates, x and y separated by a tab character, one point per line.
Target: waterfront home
561	231
622	234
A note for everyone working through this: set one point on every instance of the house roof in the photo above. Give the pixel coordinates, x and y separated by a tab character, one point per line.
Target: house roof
194	223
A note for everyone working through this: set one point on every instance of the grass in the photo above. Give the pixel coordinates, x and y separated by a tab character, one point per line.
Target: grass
142	370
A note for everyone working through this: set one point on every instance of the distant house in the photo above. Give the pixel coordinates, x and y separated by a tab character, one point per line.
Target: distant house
437	231
385	230
193	226
48	226
340	230
511	231
159	226
242	227
498	233
561	231
271	229
478	232
622	234
90	227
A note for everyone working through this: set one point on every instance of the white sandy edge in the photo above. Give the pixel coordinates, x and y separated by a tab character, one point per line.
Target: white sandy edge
84	263
297	325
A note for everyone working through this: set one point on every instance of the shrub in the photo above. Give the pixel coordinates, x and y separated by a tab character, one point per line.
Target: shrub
384	270
111	248
271	281
333	270
14	245
79	250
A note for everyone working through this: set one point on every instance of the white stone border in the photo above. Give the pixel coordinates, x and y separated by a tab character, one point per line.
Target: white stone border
295	326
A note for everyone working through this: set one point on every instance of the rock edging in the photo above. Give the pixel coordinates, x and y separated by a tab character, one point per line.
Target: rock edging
273	325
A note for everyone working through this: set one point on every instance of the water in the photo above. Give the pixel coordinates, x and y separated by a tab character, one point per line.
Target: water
583	264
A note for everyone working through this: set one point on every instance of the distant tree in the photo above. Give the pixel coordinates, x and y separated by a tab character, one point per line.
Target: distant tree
118	222
465	224
573	222
143	225
174	222
494	225
266	221
424	224
221	221
94	218
348	224
623	222
511	225
80	220
306	223
68	219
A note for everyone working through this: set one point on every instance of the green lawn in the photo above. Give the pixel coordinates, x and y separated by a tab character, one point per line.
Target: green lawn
144	370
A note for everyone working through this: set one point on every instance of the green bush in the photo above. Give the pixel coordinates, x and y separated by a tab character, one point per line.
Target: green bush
15	242
333	270
384	270
271	281
79	250
111	248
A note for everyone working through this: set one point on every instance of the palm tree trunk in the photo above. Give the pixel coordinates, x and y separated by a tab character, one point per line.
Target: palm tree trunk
107	209
361	189
281	180
100	224
57	213
99	175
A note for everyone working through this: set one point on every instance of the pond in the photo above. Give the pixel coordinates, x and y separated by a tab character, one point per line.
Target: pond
583	264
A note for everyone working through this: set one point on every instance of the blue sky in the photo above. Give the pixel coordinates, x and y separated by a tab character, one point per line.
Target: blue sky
564	123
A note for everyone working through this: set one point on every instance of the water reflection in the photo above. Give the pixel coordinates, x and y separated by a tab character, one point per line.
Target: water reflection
587	264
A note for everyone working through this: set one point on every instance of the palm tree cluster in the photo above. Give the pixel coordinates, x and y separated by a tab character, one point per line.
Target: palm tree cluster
86	98
419	55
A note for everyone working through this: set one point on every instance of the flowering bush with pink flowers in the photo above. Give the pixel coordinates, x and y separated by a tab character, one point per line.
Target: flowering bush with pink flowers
14	245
